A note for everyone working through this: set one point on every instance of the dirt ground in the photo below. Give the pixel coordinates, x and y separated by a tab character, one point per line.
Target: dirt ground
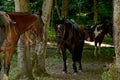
92	67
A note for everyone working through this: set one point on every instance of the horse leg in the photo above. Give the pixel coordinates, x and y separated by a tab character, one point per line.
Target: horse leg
80	66
99	47
74	57
95	50
0	61
64	60
74	66
79	61
7	59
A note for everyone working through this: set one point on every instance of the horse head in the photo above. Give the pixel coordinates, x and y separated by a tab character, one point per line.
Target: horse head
60	31
64	30
88	31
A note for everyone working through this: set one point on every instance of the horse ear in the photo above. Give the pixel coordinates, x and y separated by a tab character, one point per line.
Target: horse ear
63	18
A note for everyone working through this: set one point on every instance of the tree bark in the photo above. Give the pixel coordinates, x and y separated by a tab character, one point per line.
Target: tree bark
116	23
65	6
46	13
96	11
24	65
57	9
37	53
21	5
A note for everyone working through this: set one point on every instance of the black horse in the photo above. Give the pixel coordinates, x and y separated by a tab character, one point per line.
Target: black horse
69	36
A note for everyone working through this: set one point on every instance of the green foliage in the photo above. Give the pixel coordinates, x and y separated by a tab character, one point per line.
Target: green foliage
51	34
106	75
7	5
111	72
108	39
105	11
36	6
76	8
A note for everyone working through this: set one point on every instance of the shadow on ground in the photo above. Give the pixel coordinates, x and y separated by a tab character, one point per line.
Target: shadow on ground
93	67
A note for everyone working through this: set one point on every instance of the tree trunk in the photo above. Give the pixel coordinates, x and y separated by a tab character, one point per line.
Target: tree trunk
95	11
24	65
116	23
57	9
21	5
65	5
46	14
37	53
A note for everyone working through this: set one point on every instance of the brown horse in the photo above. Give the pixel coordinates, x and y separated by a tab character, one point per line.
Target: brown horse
97	32
88	32
22	23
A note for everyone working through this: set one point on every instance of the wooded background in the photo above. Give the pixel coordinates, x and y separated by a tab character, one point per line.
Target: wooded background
81	11
84	12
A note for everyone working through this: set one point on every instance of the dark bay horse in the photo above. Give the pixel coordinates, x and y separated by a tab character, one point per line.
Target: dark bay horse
70	37
18	23
88	32
97	33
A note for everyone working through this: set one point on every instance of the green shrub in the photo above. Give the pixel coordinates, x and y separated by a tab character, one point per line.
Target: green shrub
106	75
51	34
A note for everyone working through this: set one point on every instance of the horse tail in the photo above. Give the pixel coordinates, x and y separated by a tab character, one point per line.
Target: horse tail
2	35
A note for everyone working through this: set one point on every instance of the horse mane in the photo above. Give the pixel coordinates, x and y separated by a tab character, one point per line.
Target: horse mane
73	24
75	28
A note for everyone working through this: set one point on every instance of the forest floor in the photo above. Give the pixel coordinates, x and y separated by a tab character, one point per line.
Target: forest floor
93	67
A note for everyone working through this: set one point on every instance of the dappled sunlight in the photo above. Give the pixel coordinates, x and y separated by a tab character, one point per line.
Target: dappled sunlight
102	45
54	44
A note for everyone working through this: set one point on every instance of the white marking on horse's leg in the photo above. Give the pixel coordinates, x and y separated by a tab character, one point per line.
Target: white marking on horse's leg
99	49
5	77
75	73
95	51
63	72
59	26
88	39
80	71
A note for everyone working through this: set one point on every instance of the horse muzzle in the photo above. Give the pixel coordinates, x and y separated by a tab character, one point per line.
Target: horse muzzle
59	39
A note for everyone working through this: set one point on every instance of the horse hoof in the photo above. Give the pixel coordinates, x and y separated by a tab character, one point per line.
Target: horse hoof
80	71
75	73
5	77
63	72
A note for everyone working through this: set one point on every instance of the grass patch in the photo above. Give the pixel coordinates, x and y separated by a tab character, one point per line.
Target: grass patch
111	73
51	34
108	40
